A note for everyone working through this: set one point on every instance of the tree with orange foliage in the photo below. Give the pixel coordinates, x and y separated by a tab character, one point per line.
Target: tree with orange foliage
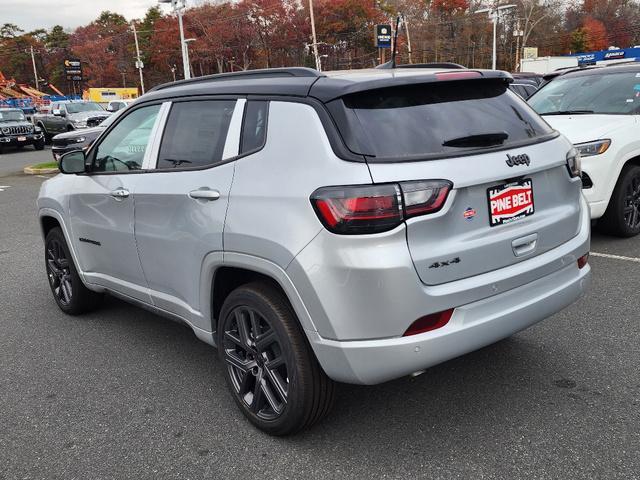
595	34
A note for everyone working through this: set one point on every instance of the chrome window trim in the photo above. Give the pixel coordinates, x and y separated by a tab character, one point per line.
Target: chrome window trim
150	159
232	142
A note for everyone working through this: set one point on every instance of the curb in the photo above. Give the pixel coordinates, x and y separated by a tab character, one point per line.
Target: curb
40	171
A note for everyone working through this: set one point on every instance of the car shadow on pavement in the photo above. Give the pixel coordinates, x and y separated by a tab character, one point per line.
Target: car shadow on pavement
460	395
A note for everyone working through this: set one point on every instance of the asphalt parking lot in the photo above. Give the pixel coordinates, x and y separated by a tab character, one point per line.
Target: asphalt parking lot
122	393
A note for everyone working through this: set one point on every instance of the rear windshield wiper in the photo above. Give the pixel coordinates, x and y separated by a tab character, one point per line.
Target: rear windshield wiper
480	140
569	112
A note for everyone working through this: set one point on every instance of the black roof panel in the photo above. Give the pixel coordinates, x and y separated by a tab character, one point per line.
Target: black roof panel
302	82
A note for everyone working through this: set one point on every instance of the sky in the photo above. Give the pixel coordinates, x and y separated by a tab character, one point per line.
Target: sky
32	14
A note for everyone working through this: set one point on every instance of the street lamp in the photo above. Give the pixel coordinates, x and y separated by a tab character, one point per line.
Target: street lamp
178	7
493	15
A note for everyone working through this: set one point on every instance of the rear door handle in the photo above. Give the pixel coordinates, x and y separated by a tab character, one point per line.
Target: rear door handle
119	193
205	194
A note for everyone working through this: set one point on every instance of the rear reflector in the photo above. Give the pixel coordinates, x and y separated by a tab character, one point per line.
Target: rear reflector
429	322
583	260
361	209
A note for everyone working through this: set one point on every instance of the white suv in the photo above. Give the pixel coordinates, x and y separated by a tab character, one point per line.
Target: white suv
598	109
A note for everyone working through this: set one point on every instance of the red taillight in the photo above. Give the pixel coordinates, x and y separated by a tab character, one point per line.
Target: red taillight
583	260
359	209
364	209
459	75
429	322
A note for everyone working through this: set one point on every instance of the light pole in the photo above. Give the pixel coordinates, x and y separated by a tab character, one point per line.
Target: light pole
187	41
493	15
178	7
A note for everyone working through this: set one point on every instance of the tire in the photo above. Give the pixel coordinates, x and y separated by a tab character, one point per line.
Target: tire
47	137
276	381
622	217
39	145
69	292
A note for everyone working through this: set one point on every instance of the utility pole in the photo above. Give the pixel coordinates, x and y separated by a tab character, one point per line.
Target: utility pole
406	28
493	15
35	72
178	7
518	33
313	35
139	63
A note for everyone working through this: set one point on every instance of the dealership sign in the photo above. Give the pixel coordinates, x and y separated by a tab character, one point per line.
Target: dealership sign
383	36
73	69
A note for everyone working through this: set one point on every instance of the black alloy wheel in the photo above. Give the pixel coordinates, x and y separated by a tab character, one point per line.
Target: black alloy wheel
269	366
69	292
59	273
631	210
256	364
622	217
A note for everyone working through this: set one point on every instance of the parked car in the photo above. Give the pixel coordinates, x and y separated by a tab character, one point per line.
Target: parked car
17	131
79	139
598	110
320	227
523	88
115	105
68	116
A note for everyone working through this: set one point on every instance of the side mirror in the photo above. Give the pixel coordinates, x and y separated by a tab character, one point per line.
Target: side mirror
72	162
56	112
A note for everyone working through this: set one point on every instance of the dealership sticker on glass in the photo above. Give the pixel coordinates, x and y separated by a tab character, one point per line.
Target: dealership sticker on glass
510	202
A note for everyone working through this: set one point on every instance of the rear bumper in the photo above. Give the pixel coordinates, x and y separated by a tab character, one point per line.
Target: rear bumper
472	326
362	298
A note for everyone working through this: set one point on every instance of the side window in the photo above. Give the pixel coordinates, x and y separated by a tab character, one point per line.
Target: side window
123	148
195	133
254	128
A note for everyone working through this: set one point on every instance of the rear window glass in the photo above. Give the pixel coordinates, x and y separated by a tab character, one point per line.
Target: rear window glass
437	119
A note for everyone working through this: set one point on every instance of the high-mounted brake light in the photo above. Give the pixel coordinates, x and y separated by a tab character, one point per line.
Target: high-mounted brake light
361	209
460	75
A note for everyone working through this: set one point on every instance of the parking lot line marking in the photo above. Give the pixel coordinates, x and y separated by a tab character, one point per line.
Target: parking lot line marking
616	257
3	187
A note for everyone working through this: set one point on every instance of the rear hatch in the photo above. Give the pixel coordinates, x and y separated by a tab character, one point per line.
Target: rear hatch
512	198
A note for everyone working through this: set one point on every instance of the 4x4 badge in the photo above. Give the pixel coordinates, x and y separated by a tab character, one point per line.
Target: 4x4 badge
522	159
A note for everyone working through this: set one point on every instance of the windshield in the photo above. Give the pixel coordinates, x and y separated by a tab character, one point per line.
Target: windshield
604	93
11	116
83	107
435	119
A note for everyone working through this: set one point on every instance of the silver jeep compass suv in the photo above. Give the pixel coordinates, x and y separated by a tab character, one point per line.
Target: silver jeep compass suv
353	226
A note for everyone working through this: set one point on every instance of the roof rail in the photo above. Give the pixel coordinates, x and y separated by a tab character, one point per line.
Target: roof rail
246	74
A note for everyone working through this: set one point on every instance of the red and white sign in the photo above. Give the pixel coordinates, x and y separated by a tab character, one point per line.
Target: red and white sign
510	202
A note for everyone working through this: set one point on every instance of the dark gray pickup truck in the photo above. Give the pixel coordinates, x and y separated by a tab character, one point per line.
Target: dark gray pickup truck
68	116
17	131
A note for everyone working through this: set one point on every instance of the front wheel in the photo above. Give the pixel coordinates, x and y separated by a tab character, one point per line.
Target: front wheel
39	145
622	217
274	376
68	290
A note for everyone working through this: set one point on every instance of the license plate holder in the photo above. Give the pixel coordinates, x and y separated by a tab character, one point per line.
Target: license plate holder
510	202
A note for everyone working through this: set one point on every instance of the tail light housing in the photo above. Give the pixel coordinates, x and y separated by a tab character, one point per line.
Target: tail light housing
583	260
574	164
364	209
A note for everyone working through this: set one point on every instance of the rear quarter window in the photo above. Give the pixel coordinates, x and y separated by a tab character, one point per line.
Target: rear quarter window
415	122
